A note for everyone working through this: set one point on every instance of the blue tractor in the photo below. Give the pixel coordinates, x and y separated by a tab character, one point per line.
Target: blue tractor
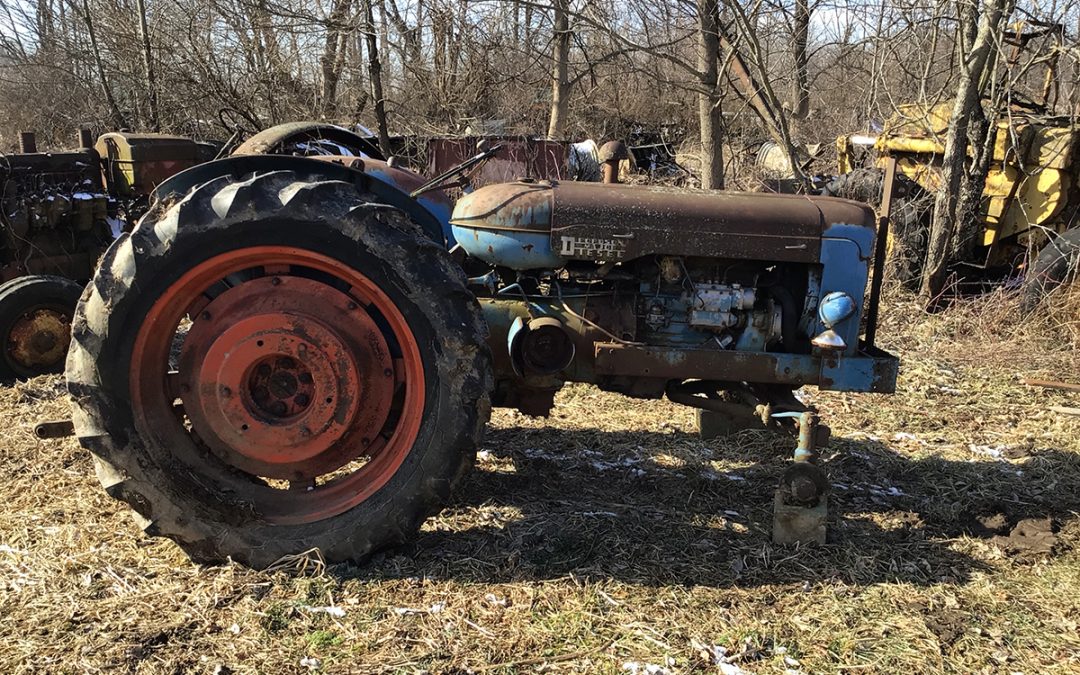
290	353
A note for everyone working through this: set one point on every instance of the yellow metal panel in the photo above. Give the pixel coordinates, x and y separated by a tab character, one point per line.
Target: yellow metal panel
1053	148
926	175
843	155
1031	175
917	120
1040	198
896	144
1000	182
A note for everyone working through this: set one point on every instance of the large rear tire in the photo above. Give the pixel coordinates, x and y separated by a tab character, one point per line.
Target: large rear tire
1057	263
276	365
35	325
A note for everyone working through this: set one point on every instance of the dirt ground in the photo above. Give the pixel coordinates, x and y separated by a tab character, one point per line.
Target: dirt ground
609	539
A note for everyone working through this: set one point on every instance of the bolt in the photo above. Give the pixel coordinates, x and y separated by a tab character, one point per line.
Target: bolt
206	316
353	305
226	392
388	372
276	281
304	431
365	442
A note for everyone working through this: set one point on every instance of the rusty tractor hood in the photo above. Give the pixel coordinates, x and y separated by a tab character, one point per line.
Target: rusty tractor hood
595	221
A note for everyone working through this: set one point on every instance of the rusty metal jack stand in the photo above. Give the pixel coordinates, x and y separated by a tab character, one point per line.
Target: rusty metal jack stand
800	510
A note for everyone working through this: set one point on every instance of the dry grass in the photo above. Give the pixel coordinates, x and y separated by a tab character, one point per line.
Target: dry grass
609	537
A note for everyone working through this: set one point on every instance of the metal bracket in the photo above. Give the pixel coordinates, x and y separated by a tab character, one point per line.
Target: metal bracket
56	429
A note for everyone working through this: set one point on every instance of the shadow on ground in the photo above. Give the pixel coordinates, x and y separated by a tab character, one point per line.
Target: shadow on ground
565	509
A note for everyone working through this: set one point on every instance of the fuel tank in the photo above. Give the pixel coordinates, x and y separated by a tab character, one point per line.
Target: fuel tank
530	225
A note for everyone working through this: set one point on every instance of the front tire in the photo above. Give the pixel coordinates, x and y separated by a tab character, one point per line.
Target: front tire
278	364
35	325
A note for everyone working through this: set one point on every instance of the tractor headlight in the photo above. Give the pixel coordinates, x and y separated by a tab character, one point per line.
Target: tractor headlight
834	308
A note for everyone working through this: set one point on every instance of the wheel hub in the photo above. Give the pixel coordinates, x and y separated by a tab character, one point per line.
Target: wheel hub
39	339
281	387
286	378
219	382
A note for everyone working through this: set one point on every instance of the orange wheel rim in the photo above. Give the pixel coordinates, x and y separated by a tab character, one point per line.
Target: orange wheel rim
298	385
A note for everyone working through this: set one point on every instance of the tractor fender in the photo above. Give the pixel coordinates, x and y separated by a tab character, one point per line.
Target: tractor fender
391	186
275	140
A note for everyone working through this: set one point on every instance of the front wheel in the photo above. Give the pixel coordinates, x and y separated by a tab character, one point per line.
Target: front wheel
276	365
35	325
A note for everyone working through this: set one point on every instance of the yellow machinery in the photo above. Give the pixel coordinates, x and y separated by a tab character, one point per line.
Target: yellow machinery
1031	191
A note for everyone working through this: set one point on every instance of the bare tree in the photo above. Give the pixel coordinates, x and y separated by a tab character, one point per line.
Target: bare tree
154	122
333	57
375	77
560	72
106	90
800	83
980	32
709	101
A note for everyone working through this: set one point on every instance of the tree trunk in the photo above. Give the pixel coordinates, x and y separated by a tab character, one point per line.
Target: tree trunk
759	92
560	71
980	30
969	221
118	117
148	67
800	84
331	61
712	152
375	77
412	56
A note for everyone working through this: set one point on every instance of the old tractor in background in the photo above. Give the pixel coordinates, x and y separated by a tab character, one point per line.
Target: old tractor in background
1031	201
59	211
289	354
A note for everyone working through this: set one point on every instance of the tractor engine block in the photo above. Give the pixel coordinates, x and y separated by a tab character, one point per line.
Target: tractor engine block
54	214
733	315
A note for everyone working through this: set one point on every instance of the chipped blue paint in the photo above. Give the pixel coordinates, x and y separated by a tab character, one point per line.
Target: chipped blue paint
434	202
518	250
